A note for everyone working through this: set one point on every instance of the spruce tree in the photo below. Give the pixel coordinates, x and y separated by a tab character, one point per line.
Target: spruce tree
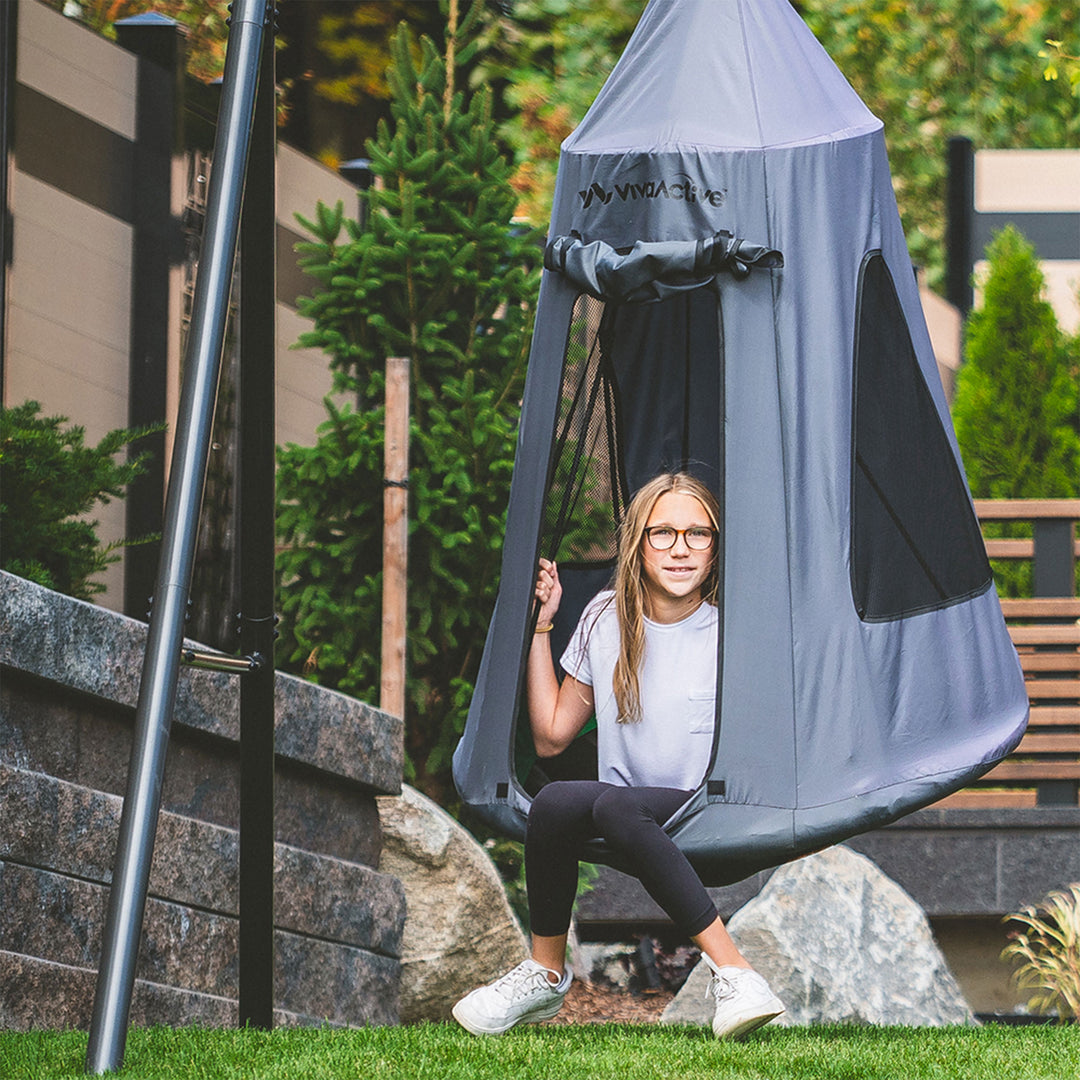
50	483
438	273
1016	406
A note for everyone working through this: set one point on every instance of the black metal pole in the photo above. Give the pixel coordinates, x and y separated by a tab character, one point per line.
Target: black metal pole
158	43
157	689
256	534
9	21
959	223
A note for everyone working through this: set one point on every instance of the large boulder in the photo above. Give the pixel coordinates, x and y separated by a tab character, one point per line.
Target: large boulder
839	942
460	931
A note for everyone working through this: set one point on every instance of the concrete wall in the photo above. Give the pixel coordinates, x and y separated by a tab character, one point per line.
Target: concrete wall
69	676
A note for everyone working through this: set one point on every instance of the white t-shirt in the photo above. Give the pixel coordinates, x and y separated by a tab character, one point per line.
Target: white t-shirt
671	743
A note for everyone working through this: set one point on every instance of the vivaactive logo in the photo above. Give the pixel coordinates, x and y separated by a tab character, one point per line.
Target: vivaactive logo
682	189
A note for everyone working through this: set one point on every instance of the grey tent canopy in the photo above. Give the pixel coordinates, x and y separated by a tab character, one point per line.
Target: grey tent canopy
727	290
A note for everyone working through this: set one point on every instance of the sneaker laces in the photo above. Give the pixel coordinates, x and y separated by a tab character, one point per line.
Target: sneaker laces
720	987
520	981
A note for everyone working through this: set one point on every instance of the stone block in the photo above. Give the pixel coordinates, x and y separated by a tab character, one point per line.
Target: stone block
69	683
27	981
93	651
978	862
335	982
61	920
72	832
88	741
964	870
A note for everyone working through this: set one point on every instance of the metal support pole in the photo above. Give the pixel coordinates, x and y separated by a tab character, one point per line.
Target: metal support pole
9	20
157	690
258	341
960	223
1055	557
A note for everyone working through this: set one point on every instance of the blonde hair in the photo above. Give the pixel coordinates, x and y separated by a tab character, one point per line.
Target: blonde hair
629	582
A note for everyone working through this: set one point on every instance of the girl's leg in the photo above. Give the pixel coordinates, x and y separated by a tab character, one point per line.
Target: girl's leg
715	942
550	952
630	821
560	820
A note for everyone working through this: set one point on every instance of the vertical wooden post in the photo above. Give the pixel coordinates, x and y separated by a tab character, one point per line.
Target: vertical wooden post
395	536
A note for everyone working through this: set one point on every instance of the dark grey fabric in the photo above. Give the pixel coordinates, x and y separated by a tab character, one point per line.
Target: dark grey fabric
842	702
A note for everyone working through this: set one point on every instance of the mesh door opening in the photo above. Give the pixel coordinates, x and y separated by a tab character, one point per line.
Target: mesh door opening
641	393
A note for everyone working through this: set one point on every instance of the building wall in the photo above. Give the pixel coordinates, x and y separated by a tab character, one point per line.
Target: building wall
70	283
1039	192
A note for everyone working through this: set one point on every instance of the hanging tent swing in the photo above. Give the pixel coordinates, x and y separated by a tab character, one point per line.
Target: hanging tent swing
727	290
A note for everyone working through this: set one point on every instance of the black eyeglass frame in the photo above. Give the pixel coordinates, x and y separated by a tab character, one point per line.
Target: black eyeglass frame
680	532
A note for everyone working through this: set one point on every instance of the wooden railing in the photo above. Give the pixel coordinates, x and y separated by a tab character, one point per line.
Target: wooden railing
1045	768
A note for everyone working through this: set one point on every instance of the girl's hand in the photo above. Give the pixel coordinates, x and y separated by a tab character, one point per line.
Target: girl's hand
548	592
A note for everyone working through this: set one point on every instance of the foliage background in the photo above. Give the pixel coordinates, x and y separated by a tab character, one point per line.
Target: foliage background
441	275
929	68
50	482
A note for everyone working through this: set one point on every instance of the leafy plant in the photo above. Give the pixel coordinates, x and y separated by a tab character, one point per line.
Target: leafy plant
1049	950
951	67
441	274
548	60
49	482
1056	59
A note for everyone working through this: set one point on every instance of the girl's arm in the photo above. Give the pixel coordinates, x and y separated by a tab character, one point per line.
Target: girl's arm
556	713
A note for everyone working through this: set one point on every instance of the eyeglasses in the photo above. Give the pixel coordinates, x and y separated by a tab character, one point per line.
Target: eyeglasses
663	537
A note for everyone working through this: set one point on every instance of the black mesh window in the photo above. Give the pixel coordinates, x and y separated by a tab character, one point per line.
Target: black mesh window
915	542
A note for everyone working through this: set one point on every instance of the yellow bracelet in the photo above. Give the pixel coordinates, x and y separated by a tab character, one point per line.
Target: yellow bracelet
544	629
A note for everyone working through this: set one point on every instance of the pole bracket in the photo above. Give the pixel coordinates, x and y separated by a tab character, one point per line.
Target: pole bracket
216	661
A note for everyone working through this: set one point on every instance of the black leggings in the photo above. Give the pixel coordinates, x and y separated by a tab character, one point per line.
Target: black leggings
566	813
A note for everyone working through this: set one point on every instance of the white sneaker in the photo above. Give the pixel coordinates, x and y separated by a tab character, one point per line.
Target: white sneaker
743	1001
523	996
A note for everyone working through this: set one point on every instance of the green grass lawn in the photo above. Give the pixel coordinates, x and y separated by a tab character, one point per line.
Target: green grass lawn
619	1052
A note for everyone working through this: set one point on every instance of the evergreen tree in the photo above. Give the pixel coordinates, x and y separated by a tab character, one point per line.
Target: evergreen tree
439	274
1016	406
50	481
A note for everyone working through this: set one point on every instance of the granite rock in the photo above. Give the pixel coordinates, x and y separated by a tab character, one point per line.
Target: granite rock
839	942
460	931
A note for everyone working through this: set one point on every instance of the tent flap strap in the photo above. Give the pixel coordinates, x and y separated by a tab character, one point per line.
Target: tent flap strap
653	270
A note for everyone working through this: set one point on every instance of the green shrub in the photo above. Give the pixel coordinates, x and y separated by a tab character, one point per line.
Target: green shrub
49	482
441	275
1016	406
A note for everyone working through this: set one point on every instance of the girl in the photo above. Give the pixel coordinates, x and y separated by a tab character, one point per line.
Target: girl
643	659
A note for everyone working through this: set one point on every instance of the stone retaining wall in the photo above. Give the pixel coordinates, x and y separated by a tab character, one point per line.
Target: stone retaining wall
69	675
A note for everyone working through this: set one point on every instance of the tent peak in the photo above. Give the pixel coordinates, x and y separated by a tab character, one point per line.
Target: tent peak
721	74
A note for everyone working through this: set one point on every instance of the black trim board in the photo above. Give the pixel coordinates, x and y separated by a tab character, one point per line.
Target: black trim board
62	148
1053	234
